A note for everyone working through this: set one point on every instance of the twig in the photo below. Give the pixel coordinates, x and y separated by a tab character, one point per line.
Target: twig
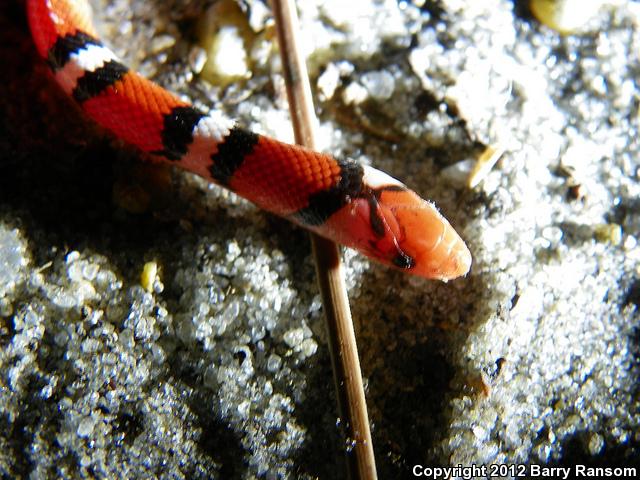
342	342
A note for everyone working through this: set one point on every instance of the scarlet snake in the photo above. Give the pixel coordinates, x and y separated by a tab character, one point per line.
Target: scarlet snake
354	205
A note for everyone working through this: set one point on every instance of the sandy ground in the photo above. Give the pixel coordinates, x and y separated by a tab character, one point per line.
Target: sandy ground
220	368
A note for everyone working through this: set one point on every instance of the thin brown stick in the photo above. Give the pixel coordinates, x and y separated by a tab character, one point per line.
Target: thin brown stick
342	341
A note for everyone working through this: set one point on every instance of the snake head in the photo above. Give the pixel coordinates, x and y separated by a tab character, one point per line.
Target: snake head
393	225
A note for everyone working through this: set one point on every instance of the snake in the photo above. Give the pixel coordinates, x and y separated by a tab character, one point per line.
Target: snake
340	199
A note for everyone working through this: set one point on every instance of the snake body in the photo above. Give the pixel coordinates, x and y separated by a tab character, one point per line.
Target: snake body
354	205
